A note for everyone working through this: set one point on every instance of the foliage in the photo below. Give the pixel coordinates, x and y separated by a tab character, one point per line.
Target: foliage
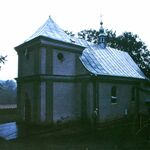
89	35
2	59
70	33
127	41
8	92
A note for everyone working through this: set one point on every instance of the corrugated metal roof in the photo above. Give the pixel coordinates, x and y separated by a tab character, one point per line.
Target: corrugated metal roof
99	61
110	62
51	30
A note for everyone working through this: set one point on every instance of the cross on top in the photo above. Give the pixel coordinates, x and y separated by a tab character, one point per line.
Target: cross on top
101	23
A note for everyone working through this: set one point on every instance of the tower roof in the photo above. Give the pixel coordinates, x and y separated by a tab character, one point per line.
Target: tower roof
51	30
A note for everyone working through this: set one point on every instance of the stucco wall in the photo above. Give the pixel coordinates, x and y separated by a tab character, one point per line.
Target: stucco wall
43	101
42	69
70	65
80	69
26	63
90	100
66	103
66	66
110	111
26	91
77	97
143	107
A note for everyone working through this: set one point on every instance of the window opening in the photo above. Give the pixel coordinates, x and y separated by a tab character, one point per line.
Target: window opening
114	95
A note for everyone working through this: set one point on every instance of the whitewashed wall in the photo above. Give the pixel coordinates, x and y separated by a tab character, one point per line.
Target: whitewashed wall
43	101
26	64
89	100
27	88
109	111
66	104
65	67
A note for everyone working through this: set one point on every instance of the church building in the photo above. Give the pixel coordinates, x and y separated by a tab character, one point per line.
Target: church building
62	78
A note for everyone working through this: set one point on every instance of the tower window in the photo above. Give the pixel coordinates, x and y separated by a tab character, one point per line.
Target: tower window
60	57
114	95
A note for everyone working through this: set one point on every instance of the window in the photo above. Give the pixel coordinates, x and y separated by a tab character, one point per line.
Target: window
114	95
60	57
133	94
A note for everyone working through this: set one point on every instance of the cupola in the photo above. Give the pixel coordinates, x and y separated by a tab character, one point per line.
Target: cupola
102	36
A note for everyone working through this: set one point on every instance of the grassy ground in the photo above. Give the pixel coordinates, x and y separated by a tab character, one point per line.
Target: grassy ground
113	137
121	135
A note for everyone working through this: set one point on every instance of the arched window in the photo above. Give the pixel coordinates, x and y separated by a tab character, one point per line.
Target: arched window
114	95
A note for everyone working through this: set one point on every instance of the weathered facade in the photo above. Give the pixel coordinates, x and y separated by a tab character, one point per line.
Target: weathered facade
61	78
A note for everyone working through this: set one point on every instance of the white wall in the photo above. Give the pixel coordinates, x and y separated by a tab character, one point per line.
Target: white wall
66	104
26	65
27	88
89	100
65	67
110	111
43	101
43	61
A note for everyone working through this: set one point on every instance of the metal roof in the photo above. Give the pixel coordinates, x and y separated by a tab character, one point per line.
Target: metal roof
109	61
51	30
97	60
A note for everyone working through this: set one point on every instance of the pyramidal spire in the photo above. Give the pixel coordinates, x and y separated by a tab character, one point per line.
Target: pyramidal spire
50	30
102	35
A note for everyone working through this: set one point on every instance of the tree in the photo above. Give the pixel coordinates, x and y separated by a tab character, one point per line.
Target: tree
8	92
89	35
2	59
70	33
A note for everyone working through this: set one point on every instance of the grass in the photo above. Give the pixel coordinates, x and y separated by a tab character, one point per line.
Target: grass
115	137
120	135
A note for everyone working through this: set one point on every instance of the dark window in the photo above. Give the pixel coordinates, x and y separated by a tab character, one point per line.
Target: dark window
133	94
60	56
114	95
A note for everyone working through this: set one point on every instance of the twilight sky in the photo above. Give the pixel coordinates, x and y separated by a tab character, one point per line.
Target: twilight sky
21	18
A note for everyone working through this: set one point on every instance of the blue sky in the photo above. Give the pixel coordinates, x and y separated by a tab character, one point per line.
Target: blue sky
21	18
